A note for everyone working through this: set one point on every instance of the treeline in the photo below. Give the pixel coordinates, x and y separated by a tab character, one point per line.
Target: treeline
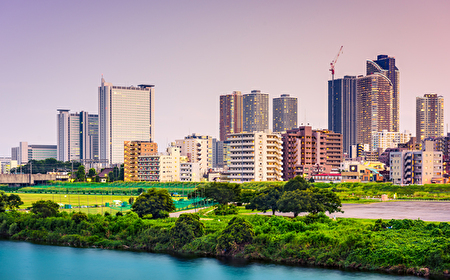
398	246
46	165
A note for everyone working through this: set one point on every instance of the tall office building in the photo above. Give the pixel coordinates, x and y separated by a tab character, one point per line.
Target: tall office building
230	114
374	106
77	136
342	109
256	111
429	116
386	65
284	113
24	153
125	114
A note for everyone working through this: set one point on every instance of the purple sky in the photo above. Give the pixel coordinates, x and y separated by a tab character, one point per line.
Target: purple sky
53	53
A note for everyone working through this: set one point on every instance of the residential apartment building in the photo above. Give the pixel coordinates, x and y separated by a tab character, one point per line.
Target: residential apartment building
255	156
255	111
416	167
77	135
197	149
342	109
190	172
381	140
161	167
284	113
307	152
231	114
132	151
429	116
125	114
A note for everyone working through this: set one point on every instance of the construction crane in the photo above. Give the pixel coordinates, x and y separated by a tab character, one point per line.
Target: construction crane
332	64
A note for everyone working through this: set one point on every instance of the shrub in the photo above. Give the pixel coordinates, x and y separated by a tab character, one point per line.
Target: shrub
238	232
225	209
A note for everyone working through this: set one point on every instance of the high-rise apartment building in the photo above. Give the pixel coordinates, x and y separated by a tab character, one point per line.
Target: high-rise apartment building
385	65
342	109
197	148
132	151
374	106
125	114
230	114
429	116
160	168
381	140
256	111
77	136
255	156
284	113
307	151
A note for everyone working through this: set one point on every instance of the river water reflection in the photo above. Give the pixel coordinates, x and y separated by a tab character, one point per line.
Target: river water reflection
22	260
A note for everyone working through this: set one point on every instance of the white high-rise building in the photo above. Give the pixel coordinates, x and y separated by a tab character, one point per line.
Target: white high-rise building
125	114
197	148
255	156
387	139
77	136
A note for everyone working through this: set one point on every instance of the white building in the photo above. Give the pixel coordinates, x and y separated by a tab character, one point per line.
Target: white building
162	167
416	167
255	156
125	114
77	136
190	172
386	139
198	149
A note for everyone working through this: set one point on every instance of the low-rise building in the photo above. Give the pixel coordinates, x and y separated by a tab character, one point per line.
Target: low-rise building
160	167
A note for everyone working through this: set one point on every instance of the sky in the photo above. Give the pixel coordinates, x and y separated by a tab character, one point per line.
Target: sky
53	53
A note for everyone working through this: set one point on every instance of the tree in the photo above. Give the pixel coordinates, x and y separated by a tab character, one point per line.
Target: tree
131	200
92	173
81	173
223	193
296	183
237	233
14	201
3	201
158	203
45	208
247	196
186	229
122	172
325	200
296	201
111	176
267	199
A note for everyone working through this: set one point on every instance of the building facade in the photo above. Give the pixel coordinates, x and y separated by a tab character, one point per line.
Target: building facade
374	106
429	116
284	113
77	135
161	167
24	153
255	111
132	151
125	114
385	65
197	149
307	152
255	156
190	172
342	109
231	118
382	140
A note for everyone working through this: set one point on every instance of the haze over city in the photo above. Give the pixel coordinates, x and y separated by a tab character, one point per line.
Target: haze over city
54	53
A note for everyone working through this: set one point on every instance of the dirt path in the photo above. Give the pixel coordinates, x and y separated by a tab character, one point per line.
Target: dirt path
433	211
177	214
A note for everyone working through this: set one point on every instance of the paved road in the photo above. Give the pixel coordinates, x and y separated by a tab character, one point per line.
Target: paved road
424	210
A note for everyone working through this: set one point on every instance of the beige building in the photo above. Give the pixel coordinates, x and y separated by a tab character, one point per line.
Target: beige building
162	167
255	156
381	140
429	116
416	167
197	149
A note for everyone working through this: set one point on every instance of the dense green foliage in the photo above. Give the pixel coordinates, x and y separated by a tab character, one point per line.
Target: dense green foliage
225	209
45	209
46	165
222	193
404	246
157	203
11	201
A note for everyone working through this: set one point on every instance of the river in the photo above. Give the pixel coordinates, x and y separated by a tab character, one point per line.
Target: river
23	260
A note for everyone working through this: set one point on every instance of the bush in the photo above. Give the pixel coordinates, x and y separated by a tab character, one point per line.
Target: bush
238	233
78	217
186	229
225	209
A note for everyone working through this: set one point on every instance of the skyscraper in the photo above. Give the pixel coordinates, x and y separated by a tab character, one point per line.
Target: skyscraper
284	113
125	114
374	106
342	109
77	136
386	65
429	116
230	114
256	111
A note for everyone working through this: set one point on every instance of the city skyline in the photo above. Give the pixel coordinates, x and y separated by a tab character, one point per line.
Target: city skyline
54	54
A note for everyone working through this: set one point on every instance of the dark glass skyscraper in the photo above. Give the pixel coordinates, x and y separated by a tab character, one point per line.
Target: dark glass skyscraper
386	65
284	113
342	114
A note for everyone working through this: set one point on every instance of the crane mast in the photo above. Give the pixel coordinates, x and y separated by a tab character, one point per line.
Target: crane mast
332	64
